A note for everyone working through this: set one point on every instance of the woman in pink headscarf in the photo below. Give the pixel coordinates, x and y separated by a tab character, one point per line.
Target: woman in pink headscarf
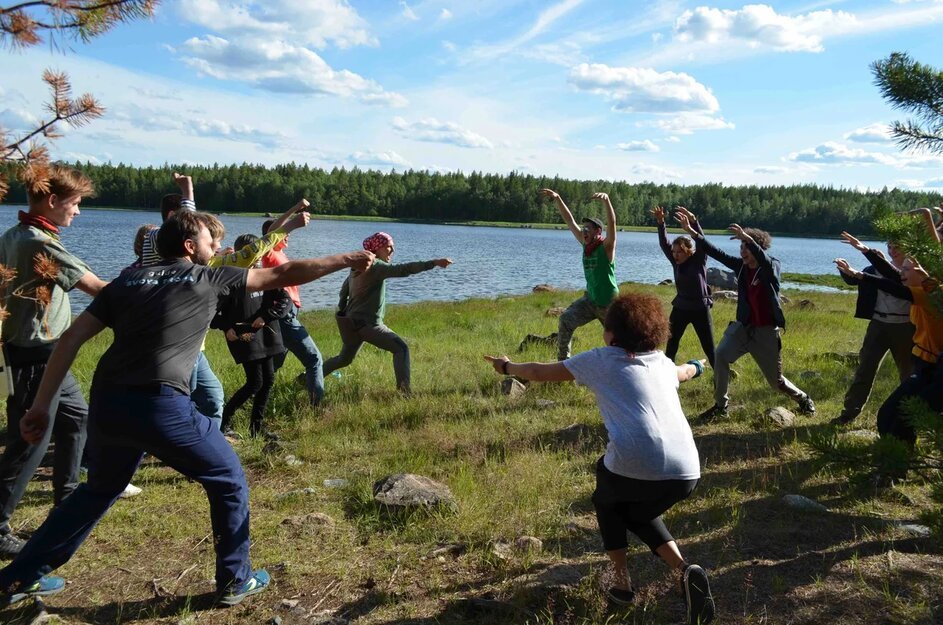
363	302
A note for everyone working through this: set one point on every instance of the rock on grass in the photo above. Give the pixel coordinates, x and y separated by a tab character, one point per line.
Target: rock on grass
408	490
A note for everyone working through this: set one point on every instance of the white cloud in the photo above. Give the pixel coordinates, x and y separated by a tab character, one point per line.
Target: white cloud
642	90
387	158
280	67
563	53
18	120
654	173
313	22
833	153
448	45
923	161
218	129
445	15
672	139
408	12
688	123
81	157
873	133
772	169
435	131
638	146
544	20
759	25
656	37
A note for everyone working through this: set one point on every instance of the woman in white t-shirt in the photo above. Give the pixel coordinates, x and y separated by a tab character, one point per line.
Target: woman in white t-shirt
651	462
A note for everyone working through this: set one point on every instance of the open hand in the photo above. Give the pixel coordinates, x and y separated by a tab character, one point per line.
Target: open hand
600	197
686	212
738	232
845	268
498	362
659	213
550	193
853	242
685	224
33	425
231	335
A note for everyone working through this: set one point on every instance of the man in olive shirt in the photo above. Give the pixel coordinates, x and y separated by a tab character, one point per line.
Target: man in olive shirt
140	403
37	305
599	268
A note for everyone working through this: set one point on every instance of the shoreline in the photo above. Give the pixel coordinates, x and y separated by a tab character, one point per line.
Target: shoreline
473	223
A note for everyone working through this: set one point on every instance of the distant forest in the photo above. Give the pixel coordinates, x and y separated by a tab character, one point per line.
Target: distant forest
456	197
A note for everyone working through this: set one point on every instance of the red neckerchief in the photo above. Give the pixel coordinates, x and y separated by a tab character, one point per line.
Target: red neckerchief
590	247
38	221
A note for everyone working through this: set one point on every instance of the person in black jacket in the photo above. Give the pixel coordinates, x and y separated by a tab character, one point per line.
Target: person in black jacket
254	340
889	327
692	304
759	321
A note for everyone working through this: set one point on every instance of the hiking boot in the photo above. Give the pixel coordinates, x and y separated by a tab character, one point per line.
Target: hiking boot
10	546
254	585
714	412
843	419
43	587
807	406
697	595
619	596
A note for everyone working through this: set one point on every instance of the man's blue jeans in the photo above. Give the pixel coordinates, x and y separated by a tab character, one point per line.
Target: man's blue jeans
206	390
123	424
299	342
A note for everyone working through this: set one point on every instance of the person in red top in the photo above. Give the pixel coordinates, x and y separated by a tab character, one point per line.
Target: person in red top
295	336
759	321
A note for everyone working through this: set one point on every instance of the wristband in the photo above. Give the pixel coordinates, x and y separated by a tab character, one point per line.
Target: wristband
699	368
504	367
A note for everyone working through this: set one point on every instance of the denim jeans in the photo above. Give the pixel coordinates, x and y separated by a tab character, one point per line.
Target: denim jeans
299	342
123	424
206	391
68	418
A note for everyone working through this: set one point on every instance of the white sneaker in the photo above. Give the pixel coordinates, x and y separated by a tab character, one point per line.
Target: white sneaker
129	491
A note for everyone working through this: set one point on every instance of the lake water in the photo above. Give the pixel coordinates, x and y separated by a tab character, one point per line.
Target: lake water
488	261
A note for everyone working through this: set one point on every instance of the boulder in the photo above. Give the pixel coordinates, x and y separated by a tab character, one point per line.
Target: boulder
720	296
805	304
544	288
721	278
803	504
408	490
666	282
554	311
313	521
536	339
780	416
512	388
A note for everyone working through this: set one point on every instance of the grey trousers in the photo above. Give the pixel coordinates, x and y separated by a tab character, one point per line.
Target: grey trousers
880	338
761	342
67	428
355	333
579	313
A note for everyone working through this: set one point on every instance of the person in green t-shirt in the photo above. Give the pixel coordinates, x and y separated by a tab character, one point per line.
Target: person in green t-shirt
599	267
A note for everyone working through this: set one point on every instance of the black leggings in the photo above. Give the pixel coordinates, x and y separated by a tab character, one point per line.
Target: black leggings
700	318
926	382
260	377
623	503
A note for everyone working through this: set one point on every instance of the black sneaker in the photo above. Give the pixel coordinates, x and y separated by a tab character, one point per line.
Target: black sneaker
714	412
10	546
807	406
697	596
843	419
619	596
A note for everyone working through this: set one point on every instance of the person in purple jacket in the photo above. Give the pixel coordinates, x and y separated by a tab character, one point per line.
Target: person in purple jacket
692	304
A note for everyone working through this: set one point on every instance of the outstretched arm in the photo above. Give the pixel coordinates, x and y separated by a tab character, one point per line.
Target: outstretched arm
564	213
894	287
610	242
34	423
303	271
728	260
689	370
536	371
663	243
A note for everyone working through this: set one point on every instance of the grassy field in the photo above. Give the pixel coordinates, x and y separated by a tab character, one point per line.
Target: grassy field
513	473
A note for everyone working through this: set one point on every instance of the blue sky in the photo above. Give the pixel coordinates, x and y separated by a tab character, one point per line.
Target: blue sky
669	91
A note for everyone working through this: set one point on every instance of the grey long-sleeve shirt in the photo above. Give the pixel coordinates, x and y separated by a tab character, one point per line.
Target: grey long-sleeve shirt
363	294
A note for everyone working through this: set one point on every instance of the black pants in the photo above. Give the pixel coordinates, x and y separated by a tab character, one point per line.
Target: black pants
623	503
260	377
700	318
926	382
67	429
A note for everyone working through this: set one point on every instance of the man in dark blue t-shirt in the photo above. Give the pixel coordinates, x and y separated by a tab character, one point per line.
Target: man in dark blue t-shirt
140	403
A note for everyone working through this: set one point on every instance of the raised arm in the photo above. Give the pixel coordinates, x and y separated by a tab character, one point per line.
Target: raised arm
692	218
282	219
250	254
564	213
894	287
728	260
34	423
927	215
536	371
659	213
610	241
185	184
298	272
762	258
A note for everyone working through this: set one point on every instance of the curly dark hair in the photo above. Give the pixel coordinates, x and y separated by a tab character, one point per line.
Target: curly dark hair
637	322
763	238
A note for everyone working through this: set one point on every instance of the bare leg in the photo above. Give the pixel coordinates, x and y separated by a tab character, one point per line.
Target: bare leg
620	569
670	554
